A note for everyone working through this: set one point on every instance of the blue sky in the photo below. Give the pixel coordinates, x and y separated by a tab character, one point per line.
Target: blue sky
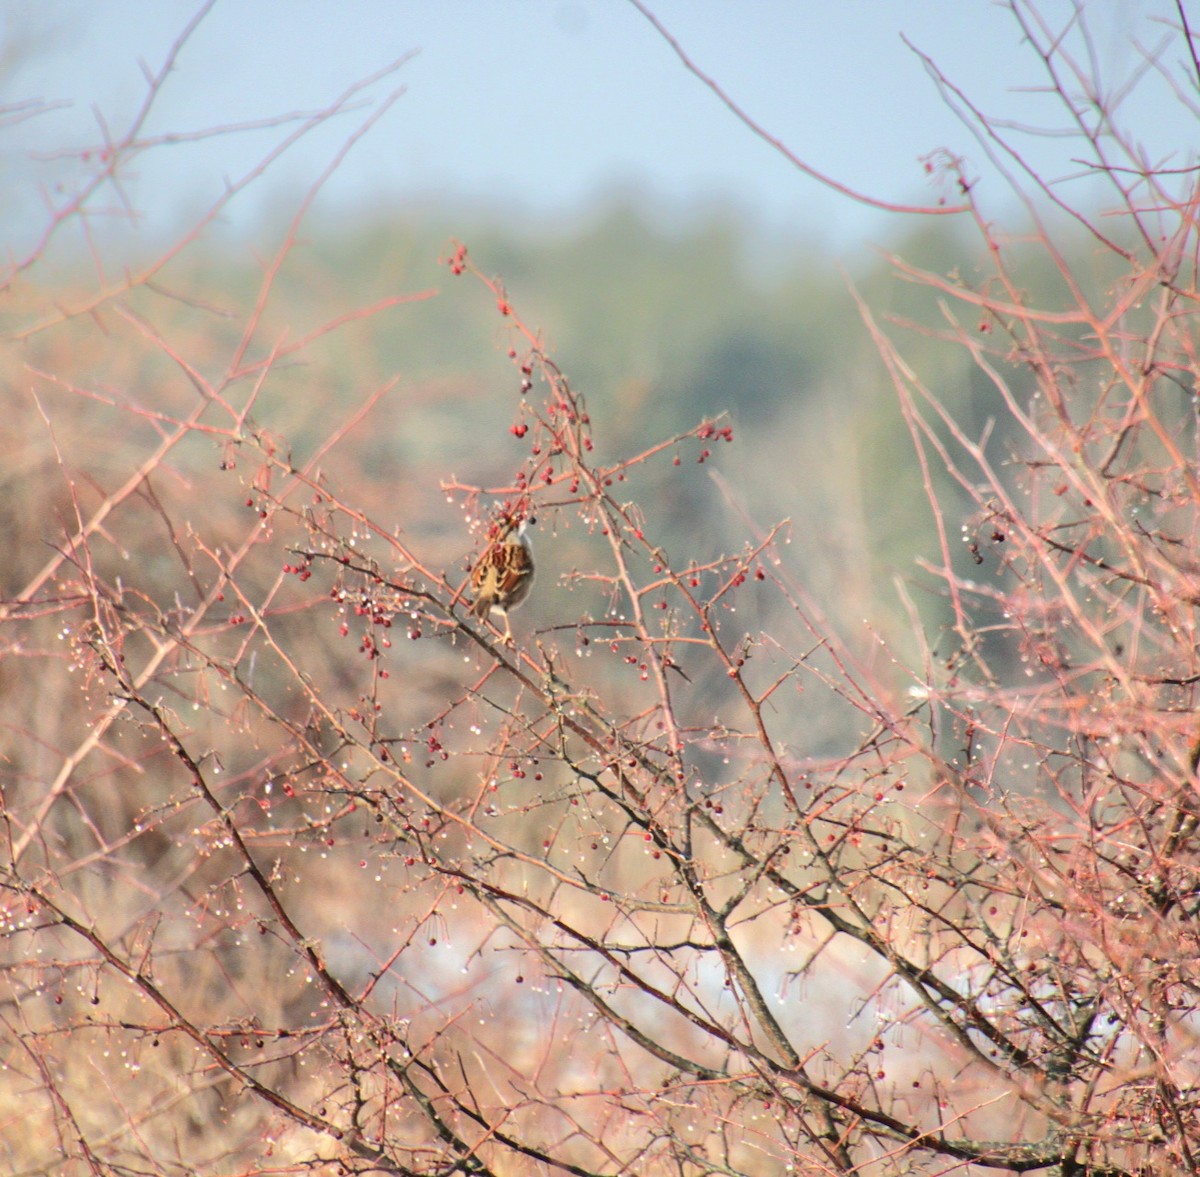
542	105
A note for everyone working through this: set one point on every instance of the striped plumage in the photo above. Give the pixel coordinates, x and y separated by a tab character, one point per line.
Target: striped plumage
503	575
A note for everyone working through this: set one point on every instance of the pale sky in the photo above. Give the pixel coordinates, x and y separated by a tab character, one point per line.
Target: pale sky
545	104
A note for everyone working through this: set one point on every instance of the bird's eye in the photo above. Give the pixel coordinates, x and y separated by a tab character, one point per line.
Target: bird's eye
531	520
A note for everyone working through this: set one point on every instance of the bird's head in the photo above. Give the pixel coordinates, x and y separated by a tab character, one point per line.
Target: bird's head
512	528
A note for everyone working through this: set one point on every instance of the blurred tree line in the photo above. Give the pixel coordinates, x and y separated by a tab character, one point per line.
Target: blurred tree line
658	327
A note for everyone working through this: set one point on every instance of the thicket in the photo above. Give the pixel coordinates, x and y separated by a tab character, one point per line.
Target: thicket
834	810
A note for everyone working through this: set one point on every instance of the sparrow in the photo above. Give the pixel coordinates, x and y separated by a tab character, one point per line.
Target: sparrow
503	575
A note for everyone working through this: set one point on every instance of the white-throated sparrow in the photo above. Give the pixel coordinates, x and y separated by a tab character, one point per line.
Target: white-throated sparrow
503	575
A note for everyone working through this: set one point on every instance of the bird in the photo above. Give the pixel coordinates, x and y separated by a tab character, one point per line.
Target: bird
503	575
